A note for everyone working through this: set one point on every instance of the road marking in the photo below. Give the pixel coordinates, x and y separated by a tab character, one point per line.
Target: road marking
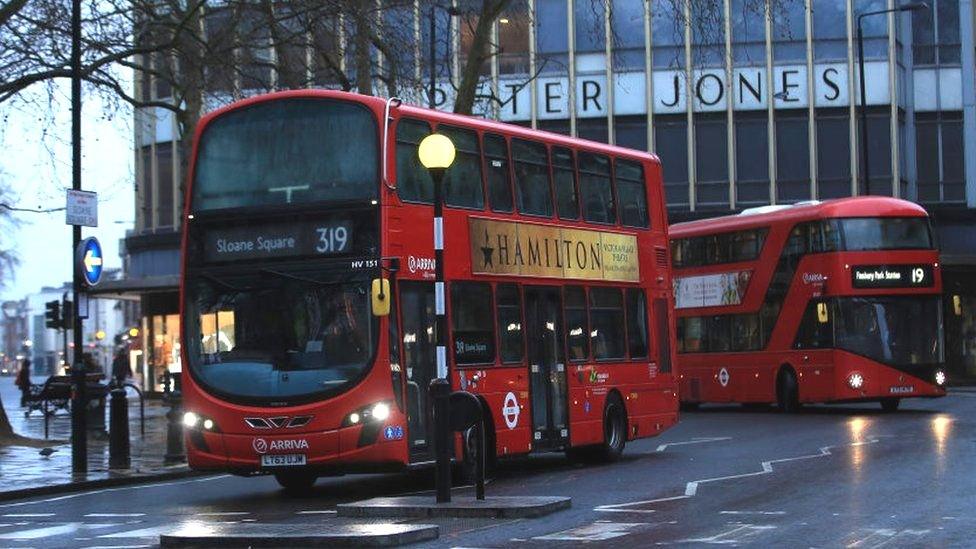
108	490
152	532
691	488
696	440
879	537
116	546
752	512
598	531
224	514
115	515
48	531
325	512
28	515
736	535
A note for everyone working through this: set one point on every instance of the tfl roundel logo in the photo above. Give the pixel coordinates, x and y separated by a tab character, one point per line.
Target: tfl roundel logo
260	445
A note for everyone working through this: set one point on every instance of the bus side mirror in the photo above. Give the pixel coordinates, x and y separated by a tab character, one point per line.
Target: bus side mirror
380	296
957	305
823	315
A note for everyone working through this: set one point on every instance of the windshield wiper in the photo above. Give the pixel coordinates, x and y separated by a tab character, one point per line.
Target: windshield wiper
294	277
222	282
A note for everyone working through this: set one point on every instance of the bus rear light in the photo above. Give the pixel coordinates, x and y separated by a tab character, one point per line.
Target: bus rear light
940	377
856	381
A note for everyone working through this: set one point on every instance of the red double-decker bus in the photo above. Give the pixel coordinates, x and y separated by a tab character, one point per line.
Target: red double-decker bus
307	209
832	301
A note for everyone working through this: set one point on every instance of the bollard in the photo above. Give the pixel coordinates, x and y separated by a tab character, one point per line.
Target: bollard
175	452
118	432
440	396
479	489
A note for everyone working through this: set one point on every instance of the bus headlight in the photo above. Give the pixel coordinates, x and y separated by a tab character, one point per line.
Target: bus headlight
856	381
191	420
381	411
940	377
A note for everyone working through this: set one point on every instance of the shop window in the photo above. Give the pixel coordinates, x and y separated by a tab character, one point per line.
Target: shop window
473	330
606	323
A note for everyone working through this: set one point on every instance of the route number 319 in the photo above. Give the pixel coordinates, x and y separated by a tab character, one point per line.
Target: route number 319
331	239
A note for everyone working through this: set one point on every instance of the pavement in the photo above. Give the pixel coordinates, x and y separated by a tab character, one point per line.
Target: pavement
831	476
24	471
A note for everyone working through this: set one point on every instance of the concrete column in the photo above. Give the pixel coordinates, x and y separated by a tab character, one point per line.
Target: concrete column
967	20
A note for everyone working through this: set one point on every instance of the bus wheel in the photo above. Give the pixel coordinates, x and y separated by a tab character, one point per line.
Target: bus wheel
890	404
788	392
614	429
296	483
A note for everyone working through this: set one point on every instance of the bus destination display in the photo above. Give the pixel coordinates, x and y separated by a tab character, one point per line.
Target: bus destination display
326	237
892	276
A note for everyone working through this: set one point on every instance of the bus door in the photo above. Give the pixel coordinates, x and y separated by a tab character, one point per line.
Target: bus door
418	323
547	375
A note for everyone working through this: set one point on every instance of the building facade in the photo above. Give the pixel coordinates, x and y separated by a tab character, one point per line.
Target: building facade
747	102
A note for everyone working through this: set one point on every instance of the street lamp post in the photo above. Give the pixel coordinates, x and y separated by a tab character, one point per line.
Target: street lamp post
436	153
911	6
432	15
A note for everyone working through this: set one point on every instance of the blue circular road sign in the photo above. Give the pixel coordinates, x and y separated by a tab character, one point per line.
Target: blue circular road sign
88	260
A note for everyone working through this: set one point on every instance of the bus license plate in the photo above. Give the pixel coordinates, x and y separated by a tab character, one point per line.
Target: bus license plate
283	460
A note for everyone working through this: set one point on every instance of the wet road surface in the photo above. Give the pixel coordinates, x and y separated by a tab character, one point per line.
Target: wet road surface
838	476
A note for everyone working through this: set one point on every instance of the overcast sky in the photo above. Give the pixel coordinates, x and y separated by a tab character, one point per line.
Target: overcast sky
36	163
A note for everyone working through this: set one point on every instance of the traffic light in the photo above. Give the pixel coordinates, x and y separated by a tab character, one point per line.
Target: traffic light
52	314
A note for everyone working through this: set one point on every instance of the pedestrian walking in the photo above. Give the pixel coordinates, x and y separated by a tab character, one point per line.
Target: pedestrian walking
23	381
121	371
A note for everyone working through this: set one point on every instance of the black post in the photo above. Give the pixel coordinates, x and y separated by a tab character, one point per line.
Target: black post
440	394
440	388
175	451
118	442
79	427
64	326
433	55
864	107
479	471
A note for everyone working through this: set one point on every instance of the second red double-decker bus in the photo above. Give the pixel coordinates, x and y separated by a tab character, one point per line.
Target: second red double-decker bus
828	301
308	210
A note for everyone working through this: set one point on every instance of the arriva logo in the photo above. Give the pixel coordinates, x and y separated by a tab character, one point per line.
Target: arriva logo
261	445
420	264
812	278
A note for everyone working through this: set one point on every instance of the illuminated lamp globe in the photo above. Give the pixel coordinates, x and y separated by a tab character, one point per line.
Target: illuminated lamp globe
436	151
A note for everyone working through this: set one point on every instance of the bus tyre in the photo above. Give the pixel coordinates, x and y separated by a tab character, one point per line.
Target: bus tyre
890	404
614	429
296	483
788	392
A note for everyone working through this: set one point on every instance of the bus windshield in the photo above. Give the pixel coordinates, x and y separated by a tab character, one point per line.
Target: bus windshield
249	157
276	337
898	331
886	233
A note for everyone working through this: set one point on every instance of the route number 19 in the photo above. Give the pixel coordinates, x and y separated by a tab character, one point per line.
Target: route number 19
331	239
918	275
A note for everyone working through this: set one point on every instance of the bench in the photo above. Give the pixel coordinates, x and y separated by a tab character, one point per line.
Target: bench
53	395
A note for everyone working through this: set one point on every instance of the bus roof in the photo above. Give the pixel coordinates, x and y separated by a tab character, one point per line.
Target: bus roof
862	206
439	117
